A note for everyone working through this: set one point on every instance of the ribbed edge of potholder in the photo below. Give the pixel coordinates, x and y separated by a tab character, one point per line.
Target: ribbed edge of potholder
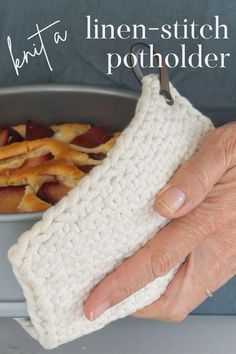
105	219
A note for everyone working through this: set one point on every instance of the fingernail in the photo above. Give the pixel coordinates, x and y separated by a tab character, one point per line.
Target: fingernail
97	312
172	199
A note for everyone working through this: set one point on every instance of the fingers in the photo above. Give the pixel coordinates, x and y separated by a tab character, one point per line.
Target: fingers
191	183
166	308
162	253
209	266
178	239
185	292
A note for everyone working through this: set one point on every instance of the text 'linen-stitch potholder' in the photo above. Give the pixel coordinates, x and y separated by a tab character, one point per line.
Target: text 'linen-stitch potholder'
106	218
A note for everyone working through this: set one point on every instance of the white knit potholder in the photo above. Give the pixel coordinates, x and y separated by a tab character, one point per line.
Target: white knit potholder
106	218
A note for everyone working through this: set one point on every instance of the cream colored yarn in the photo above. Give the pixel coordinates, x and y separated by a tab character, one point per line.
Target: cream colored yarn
105	219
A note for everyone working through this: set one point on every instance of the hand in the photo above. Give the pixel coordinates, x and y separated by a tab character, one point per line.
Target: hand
201	200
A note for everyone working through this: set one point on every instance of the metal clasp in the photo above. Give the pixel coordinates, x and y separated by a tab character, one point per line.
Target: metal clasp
163	72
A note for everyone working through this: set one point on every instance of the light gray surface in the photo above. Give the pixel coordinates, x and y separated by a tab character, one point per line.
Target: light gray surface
197	335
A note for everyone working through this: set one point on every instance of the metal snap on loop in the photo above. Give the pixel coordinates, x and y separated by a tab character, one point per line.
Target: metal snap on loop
163	72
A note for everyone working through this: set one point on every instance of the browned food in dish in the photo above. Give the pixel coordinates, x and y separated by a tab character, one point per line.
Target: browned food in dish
40	164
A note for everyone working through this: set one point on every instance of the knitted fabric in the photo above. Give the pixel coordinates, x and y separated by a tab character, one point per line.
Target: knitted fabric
106	218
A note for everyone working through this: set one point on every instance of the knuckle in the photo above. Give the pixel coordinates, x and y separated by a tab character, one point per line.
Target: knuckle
203	223
197	225
192	233
221	134
198	178
224	140
160	262
212	215
123	289
214	139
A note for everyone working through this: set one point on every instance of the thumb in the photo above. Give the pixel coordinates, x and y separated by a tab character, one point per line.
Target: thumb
191	183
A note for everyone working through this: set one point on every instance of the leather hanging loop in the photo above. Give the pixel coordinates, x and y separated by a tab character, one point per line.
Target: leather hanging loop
163	72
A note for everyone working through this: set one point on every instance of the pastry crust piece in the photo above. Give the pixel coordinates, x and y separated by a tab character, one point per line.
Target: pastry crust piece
54	159
31	203
63	132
